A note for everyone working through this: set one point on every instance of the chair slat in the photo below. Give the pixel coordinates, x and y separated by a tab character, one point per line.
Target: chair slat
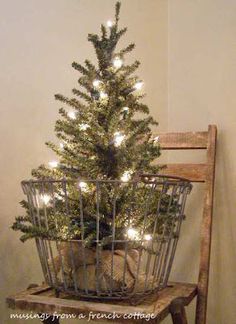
192	172
188	140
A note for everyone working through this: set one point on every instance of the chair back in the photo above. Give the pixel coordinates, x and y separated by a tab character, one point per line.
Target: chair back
197	172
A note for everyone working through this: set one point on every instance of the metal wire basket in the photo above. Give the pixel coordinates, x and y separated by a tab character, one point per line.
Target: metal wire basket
107	238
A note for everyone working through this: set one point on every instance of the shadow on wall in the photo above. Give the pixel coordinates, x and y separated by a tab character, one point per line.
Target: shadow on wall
222	274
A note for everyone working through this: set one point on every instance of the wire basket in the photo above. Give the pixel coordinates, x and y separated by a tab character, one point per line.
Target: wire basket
107	238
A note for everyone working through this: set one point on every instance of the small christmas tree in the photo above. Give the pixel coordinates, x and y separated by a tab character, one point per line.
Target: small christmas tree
100	138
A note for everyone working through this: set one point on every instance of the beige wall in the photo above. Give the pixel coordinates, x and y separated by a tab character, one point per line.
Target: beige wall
39	40
202	88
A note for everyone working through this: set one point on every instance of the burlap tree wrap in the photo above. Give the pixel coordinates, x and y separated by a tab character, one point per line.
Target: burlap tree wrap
112	271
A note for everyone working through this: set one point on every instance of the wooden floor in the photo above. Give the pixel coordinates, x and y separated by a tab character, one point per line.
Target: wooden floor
42	299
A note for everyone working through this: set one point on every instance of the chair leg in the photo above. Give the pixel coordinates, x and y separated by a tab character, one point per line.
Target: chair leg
178	312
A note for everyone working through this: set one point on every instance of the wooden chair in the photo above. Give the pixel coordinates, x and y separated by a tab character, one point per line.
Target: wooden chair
173	299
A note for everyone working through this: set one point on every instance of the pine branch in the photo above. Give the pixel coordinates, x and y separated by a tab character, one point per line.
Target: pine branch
73	102
130	69
126	50
103	32
117	15
91	67
82	95
80	68
120	33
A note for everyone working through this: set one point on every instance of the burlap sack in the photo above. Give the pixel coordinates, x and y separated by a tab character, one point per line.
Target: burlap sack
113	271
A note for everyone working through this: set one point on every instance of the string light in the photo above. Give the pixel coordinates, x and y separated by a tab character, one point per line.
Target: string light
45	199
156	139
61	145
71	114
147	237
109	23
83	127
117	62
138	85
53	164
83	186
96	83
103	95
118	139
125	109
126	176
132	234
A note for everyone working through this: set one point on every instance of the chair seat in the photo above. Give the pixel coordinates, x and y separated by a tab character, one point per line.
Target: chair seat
41	299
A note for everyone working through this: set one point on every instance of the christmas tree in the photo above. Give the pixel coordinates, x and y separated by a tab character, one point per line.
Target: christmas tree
100	137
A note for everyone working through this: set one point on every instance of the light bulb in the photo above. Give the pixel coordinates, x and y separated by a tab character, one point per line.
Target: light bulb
83	186
156	139
53	164
96	83
126	176
83	127
138	85
126	109
117	62
71	114
109	23
118	139
103	95
45	199
132	234
147	237
61	145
